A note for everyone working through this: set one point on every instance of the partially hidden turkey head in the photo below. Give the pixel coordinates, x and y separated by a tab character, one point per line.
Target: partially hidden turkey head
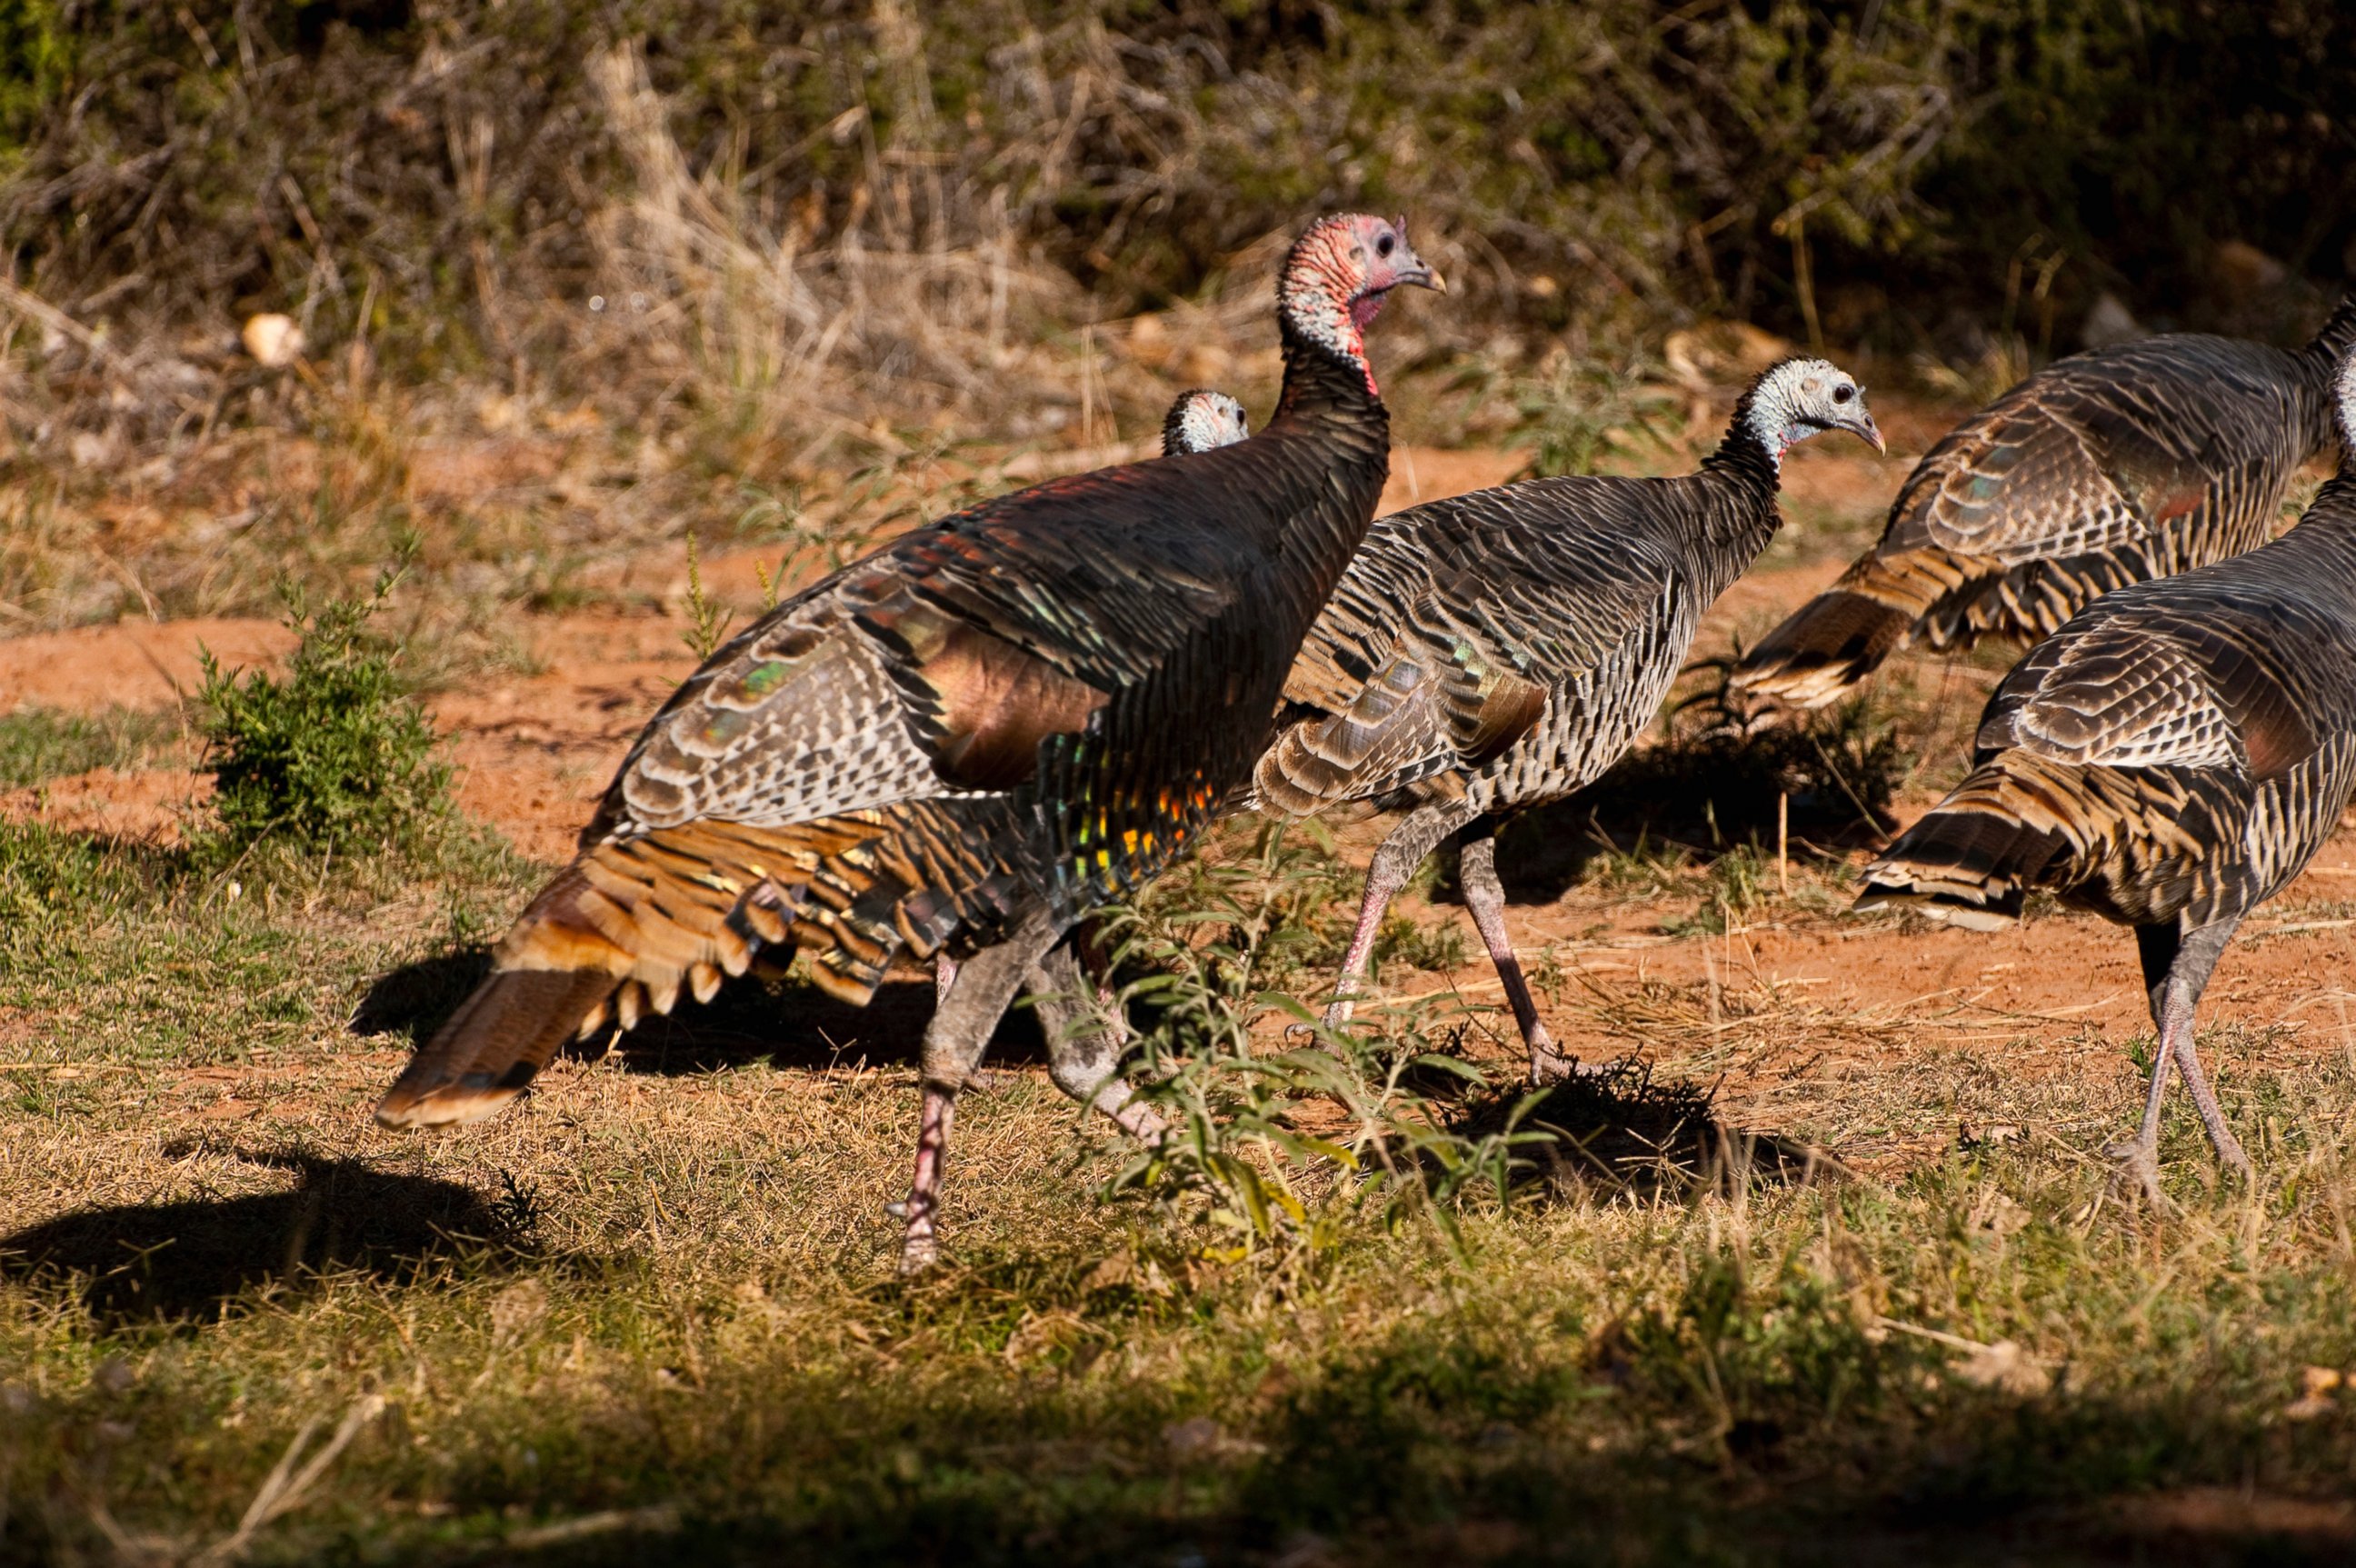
1799	398
1337	277
1202	420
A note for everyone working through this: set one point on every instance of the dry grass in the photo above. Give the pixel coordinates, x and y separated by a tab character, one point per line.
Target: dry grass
649	1315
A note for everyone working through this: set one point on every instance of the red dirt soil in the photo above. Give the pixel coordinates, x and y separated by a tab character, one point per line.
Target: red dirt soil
132	664
1785	1010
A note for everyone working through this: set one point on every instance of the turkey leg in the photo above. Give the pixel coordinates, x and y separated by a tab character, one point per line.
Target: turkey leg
1484	895
1085	1044
1092	960
2175	969
1394	862
954	1042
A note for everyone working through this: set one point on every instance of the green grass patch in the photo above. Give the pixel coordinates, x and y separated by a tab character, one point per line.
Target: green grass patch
38	744
648	1314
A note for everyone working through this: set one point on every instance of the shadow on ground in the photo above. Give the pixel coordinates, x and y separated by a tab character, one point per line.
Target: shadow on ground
1617	1129
1712	784
789	1025
184	1260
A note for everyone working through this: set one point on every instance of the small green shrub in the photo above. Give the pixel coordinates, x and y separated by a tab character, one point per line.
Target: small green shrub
338	753
1245	1157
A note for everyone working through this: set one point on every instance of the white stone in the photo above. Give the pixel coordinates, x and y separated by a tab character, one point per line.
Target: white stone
272	340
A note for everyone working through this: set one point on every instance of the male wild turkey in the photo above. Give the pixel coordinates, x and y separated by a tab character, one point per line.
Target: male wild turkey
964	742
1199	421
2170	759
2108	468
1497	651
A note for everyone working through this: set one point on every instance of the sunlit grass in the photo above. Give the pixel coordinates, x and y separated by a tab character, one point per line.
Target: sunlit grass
649	1314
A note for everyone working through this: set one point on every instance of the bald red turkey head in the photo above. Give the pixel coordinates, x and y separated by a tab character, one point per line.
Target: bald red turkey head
1337	277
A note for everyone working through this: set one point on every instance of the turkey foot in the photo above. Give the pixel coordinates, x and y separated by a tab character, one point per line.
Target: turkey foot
1484	895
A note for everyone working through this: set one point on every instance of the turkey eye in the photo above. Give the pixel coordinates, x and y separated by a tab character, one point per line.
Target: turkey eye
1383	246
1842	394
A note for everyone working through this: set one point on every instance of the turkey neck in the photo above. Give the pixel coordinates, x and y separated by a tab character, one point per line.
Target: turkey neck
1740	515
2318	370
1329	410
2330	527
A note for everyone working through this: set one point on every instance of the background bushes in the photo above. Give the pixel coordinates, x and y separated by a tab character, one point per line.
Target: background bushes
452	182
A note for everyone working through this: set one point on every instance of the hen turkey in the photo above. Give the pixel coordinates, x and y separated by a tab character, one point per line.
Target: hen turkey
2112	466
1498	650
2170	759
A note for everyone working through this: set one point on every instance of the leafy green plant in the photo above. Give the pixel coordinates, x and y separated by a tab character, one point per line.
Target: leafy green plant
338	753
1289	1146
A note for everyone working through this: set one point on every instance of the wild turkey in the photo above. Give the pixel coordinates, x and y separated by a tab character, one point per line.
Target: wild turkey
1198	421
1498	650
1203	421
2170	759
2108	468
965	741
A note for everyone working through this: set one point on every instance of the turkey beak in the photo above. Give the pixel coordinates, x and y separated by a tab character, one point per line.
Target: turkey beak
1411	267
1867	432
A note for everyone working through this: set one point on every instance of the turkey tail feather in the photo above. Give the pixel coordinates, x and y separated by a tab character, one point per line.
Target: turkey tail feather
1814	658
1971	864
491	1047
634	923
1842	635
2021	820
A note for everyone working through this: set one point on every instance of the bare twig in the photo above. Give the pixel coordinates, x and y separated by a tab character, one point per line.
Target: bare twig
283	1489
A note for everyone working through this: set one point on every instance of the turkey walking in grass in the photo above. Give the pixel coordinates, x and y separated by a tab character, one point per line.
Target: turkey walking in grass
2170	759
2112	466
963	743
1498	650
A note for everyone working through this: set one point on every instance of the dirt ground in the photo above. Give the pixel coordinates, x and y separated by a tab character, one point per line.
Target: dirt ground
1788	1013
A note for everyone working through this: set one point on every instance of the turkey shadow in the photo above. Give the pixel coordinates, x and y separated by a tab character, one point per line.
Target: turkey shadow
1619	1131
414	999
1701	794
182	1261
789	1024
794	1025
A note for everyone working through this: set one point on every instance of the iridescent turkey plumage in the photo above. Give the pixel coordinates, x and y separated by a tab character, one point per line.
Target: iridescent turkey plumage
964	742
